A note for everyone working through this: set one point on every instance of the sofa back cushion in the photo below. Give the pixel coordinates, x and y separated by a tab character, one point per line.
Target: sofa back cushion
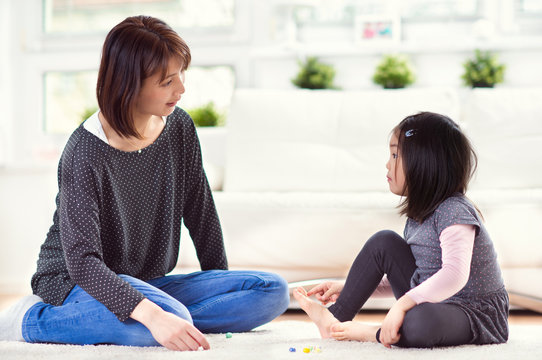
324	140
505	126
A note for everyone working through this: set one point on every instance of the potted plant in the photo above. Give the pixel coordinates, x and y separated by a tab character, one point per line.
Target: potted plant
314	75
394	72
483	71
206	115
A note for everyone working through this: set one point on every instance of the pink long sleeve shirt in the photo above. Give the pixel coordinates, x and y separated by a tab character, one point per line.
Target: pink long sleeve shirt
457	243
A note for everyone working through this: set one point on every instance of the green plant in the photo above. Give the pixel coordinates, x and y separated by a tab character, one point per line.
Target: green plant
314	75
394	72
87	112
206	115
483	71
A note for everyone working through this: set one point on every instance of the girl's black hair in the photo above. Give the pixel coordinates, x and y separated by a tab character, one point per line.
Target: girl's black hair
438	161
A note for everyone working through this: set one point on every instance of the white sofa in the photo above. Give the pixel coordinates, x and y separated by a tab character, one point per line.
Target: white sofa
300	182
301	178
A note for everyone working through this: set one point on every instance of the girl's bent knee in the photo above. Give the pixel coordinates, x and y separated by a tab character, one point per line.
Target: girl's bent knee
422	327
416	331
383	238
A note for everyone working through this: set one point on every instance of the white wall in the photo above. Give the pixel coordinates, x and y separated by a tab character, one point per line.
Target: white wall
5	75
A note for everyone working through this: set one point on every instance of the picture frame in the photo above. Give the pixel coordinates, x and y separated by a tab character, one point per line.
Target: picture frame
377	29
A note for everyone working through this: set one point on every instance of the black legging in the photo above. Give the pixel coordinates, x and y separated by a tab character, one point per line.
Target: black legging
425	325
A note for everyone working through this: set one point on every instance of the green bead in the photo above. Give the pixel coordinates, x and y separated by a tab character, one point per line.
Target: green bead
229	335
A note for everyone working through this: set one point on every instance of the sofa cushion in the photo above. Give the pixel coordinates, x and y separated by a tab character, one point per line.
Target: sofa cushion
505	126
512	218
524	281
299	235
306	140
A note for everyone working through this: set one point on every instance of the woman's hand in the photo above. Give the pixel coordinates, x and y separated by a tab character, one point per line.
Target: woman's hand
327	292
389	333
168	329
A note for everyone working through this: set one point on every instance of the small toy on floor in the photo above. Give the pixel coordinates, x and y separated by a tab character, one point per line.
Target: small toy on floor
229	335
310	349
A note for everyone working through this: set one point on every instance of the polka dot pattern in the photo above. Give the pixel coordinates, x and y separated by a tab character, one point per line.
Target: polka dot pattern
120	213
485	274
483	299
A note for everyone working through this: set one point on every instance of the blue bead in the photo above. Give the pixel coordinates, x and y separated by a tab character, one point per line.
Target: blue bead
292	349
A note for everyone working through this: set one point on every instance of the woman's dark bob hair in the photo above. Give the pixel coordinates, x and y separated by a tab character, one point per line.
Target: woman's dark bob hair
135	49
438	161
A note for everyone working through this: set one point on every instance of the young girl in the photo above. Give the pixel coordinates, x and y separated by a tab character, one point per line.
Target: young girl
444	272
127	177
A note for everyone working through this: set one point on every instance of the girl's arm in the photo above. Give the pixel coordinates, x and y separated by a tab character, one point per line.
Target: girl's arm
389	332
457	242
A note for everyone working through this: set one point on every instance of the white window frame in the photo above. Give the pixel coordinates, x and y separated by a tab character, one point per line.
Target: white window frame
24	142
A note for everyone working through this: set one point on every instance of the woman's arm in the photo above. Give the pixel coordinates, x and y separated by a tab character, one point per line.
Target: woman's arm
80	234
168	329
199	213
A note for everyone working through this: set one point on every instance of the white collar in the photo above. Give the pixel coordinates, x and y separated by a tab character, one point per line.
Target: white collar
94	126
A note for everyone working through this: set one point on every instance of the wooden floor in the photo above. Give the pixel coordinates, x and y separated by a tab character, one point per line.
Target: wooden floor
374	316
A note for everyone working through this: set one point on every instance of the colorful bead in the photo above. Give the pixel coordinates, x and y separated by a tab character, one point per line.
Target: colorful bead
292	349
229	335
306	350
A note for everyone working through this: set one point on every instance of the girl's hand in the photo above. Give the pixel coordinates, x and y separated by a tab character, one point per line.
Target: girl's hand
389	333
327	292
168	329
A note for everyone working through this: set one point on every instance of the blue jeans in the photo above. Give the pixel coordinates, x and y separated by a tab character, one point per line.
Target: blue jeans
214	301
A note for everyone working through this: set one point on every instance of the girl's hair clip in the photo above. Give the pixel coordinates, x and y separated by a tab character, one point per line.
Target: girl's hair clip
410	132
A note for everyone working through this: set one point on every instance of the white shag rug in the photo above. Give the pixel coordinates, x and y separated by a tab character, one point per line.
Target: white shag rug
273	341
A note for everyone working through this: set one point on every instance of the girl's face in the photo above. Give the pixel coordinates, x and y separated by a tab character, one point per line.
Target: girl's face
396	175
159	97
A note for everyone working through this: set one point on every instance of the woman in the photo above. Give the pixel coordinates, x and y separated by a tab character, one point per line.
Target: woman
127	177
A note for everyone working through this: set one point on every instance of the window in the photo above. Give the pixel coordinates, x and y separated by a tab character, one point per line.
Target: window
208	84
95	16
439	9
70	96
528	17
529	7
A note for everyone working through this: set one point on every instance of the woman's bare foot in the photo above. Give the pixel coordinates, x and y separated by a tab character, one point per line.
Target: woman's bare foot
354	330
318	314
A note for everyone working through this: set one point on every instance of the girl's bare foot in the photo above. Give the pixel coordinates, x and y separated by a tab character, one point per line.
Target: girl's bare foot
318	314
354	330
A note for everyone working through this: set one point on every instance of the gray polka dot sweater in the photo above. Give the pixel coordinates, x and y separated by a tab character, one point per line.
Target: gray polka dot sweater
424	240
120	213
484	298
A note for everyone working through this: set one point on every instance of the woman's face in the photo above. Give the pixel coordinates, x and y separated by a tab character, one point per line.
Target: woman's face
396	175
160	97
